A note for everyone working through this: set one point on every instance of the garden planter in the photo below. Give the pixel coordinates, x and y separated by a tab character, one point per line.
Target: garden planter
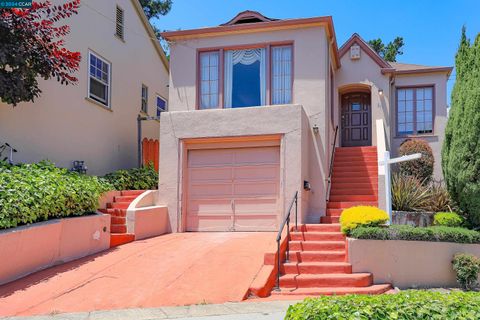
416	219
41	245
408	264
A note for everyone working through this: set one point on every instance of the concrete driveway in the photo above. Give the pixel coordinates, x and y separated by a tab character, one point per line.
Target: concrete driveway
170	270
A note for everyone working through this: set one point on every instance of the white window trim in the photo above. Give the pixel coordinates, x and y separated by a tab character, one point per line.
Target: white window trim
156	107
109	84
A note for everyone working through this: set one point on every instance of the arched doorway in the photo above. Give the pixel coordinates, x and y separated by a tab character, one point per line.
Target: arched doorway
356	119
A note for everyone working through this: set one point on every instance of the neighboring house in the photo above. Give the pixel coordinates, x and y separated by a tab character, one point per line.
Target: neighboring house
123	73
228	166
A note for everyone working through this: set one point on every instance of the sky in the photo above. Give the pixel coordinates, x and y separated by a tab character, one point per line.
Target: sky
431	29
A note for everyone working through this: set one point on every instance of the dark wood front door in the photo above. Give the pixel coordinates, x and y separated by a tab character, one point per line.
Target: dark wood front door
356	120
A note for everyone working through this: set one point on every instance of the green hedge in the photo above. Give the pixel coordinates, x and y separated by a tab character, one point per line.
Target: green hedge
410	304
37	192
145	178
434	234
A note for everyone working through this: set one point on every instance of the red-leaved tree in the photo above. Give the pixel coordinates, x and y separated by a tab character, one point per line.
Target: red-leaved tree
32	46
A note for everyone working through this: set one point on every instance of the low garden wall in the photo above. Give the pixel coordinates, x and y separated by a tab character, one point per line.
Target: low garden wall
408	264
31	248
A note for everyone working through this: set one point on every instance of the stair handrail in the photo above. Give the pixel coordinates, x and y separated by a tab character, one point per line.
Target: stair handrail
279	235
332	157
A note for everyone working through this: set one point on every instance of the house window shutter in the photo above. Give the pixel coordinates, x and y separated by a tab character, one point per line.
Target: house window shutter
119	30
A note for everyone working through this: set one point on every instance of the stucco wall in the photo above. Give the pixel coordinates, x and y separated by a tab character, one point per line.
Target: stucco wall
62	125
408	264
246	122
32	248
435	140
365	71
311	61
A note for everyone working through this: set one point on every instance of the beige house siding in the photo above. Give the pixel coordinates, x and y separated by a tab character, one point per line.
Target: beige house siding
63	125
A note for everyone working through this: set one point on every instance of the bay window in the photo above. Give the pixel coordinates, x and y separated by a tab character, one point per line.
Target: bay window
247	77
415	110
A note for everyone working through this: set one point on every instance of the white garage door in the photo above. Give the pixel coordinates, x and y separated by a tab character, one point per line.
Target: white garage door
233	189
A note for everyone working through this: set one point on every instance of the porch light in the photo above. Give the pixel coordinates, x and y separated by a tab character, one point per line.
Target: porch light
380	92
315	129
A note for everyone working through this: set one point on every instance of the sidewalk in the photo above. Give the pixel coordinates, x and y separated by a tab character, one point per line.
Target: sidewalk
274	310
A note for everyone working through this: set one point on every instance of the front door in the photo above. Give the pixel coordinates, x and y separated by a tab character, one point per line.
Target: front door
356	120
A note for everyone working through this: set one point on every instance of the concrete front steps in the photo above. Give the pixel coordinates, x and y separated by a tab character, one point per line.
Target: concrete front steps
117	209
354	181
318	265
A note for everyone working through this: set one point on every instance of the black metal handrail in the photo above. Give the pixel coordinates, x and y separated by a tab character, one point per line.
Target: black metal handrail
279	235
332	157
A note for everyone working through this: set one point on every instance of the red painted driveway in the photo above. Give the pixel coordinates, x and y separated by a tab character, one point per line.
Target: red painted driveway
174	269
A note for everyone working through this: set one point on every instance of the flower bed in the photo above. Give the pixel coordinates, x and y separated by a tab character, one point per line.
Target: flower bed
409	233
403	305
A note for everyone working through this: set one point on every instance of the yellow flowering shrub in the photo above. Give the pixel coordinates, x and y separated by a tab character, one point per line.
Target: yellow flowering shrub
365	216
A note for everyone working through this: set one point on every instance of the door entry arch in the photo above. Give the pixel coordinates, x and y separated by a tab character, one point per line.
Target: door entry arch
356	119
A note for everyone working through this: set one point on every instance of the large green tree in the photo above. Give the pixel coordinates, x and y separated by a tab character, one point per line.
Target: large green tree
461	148
154	9
388	51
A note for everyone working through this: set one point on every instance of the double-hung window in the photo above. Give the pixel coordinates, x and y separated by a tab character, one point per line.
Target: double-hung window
161	105
99	79
245	78
415	110
144	106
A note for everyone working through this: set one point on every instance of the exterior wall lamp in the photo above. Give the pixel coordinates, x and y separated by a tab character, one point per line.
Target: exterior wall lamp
380	92
315	129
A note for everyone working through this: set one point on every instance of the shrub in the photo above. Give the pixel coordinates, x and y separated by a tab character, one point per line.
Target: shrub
408	194
145	178
447	219
409	233
408	304
36	192
361	216
438	197
461	147
422	168
466	266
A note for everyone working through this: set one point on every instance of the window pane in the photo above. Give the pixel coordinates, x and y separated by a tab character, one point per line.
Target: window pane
209	79
281	75
409	94
428	93
98	90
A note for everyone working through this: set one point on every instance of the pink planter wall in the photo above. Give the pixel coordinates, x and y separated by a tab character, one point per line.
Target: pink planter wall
32	248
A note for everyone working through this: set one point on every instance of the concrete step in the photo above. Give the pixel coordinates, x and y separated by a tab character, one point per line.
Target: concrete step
326	280
355	174
316	267
118	228
119	239
124	198
348	204
330	219
373	180
319	227
342	198
317	245
118	205
317	236
135	193
328	291
117	220
334	212
317	256
114	212
352	191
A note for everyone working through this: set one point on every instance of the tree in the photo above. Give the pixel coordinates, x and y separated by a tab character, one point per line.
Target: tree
461	147
390	51
32	47
156	8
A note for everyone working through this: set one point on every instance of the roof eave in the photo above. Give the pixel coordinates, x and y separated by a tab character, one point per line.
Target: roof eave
446	70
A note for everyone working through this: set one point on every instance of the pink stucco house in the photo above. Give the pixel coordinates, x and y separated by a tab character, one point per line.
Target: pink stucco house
265	113
253	108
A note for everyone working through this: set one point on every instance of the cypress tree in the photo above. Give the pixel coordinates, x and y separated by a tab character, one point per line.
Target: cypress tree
461	148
